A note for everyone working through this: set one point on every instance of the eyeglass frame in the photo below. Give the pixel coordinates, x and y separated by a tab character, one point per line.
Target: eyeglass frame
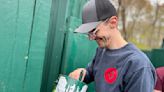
92	34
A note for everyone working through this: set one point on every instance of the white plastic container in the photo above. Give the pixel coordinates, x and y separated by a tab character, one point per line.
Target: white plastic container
67	84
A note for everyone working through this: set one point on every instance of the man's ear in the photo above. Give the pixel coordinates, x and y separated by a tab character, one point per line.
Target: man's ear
113	22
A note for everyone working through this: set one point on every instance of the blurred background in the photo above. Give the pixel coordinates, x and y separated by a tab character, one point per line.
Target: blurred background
37	42
142	22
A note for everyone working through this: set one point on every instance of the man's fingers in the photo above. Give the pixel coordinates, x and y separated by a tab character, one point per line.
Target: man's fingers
76	74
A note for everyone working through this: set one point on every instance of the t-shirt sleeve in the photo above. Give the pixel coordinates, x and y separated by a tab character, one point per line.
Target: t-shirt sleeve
142	80
158	83
89	74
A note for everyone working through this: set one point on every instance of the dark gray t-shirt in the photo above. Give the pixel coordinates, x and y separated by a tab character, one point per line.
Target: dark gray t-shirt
121	70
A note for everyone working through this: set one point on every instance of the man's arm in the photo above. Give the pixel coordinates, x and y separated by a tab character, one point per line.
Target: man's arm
142	80
89	70
89	73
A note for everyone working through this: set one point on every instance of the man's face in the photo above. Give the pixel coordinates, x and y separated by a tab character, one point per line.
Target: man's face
104	32
100	34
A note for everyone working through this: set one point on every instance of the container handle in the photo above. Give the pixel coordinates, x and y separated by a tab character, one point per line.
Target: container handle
81	76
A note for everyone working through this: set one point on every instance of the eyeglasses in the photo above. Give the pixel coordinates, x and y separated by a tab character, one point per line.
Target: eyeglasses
92	33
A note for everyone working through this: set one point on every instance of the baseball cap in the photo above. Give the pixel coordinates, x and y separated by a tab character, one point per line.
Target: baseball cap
94	12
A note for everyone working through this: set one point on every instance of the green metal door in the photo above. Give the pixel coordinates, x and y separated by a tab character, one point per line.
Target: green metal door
62	42
23	32
61	12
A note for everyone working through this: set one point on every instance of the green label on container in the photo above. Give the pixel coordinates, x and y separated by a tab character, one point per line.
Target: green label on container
67	84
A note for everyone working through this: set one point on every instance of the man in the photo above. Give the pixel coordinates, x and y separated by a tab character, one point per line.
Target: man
118	66
160	80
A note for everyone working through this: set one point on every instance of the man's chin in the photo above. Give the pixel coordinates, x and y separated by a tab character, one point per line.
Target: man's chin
100	46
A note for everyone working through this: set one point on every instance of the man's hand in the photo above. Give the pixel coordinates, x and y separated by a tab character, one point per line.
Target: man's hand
76	74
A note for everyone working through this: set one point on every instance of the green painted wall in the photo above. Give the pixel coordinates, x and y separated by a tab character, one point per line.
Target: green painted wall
61	12
54	45
24	26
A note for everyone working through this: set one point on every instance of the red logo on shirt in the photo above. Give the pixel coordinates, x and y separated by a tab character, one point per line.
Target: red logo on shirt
110	75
